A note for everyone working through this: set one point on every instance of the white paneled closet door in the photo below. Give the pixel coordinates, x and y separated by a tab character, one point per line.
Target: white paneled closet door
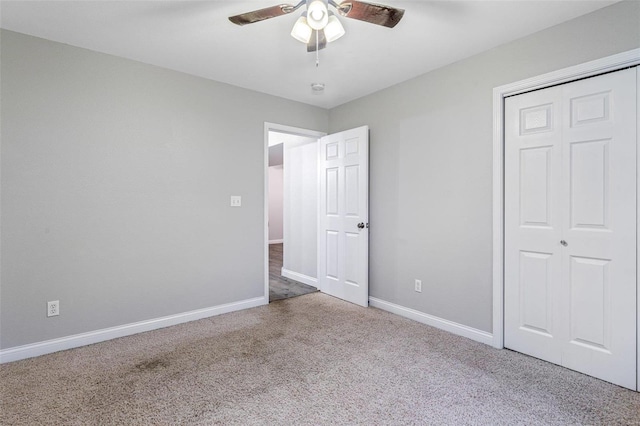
570	225
533	224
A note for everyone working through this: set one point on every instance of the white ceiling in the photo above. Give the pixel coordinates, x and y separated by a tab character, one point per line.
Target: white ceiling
195	37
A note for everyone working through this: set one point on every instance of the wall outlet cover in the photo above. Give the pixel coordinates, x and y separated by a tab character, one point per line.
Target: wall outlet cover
53	308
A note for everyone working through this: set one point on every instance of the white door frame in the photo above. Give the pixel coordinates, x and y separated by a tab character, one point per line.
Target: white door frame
588	69
280	128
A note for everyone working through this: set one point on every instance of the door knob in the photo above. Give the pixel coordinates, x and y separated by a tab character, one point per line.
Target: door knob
361	225
564	243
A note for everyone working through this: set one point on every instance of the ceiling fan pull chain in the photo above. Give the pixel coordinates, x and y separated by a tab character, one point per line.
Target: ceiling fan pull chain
317	48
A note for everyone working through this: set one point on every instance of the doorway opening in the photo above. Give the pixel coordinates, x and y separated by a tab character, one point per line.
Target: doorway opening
291	183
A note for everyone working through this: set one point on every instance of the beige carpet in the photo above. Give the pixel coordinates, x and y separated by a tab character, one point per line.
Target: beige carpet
309	360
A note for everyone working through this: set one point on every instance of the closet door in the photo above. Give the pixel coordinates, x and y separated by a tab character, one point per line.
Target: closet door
599	213
570	225
533	171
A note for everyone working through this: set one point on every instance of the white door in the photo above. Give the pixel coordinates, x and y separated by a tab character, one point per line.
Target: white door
533	138
570	225
343	225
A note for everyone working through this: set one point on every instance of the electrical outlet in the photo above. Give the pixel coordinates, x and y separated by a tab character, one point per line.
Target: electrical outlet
236	201
53	308
418	286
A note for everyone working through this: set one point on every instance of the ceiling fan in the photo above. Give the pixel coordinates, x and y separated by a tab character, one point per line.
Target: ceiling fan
318	25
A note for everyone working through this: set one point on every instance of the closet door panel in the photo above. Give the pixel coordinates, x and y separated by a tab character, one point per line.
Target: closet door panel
599	262
532	222
570	225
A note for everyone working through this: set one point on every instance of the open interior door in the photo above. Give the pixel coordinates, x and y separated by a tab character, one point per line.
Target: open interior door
343	225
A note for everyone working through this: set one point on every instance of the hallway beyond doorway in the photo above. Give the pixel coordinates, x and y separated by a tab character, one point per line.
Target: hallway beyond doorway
279	286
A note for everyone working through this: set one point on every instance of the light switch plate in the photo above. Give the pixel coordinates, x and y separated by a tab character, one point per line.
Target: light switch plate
236	201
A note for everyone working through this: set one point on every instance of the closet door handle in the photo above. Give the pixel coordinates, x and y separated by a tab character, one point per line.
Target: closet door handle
564	243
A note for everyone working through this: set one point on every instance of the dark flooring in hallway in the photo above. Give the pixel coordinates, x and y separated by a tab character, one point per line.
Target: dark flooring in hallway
279	286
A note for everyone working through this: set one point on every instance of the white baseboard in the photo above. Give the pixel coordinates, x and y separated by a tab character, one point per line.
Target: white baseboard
69	342
276	241
305	279
443	324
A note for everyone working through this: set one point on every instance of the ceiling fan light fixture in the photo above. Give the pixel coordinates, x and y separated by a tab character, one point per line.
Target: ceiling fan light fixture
334	29
301	30
318	26
317	14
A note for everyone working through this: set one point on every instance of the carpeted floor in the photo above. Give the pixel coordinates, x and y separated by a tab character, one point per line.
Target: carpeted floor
279	286
310	360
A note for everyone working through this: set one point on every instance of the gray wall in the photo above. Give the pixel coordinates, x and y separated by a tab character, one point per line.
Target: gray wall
431	164
276	201
116	179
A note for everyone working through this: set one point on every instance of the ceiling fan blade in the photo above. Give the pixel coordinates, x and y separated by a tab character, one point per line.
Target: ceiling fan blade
374	13
322	41
261	14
